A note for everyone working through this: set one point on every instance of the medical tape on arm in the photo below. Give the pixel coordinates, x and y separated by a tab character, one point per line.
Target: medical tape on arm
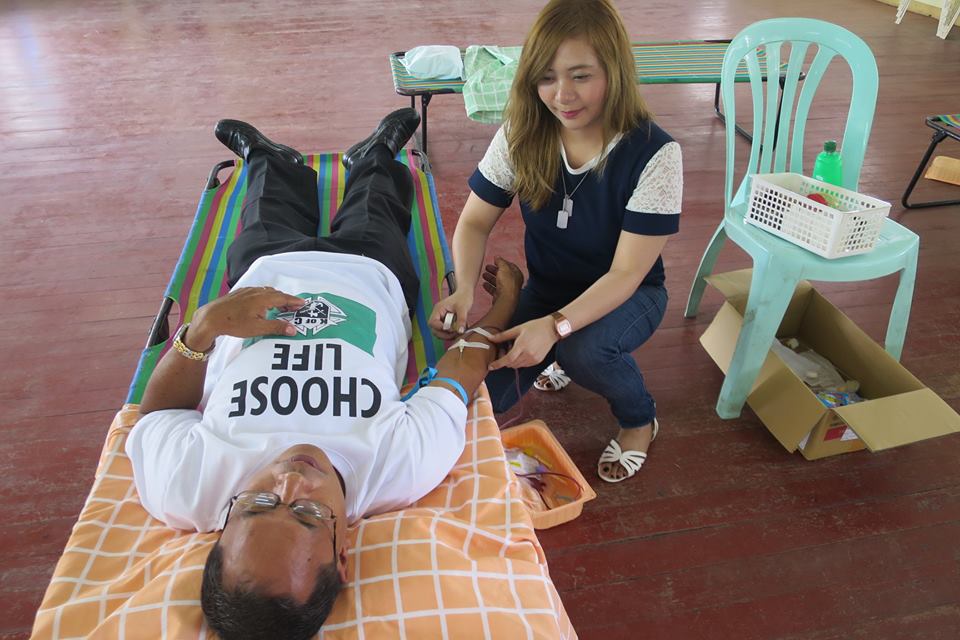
462	344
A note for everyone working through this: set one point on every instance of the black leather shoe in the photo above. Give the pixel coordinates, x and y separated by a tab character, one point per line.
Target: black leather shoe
242	138
393	131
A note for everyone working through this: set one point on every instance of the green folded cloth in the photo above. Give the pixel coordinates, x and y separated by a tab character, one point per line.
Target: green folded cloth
488	73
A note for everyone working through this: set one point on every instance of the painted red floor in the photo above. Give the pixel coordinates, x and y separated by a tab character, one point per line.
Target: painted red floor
106	116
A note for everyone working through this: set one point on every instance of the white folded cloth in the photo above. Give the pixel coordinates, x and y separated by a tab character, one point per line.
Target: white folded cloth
434	62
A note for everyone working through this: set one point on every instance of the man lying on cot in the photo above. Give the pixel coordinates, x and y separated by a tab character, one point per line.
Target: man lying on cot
298	369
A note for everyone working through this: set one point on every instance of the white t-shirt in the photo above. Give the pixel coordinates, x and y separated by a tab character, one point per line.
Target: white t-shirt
336	385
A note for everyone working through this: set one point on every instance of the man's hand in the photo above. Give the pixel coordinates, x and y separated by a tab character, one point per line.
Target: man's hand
177	382
241	313
502	277
533	339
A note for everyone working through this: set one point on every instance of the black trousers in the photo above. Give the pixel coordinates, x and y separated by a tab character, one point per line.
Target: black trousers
281	213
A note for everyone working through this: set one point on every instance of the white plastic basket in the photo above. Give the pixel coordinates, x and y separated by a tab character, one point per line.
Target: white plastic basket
779	204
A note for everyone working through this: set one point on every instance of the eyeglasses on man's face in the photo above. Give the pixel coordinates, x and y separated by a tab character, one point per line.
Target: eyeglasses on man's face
309	512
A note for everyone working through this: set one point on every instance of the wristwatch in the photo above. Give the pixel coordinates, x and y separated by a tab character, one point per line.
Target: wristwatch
561	324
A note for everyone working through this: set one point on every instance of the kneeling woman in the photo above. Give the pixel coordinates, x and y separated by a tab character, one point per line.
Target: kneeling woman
600	190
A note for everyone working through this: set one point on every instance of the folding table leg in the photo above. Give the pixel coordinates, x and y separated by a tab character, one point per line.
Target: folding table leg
737	127
938	137
424	101
948	15
716	108
902	9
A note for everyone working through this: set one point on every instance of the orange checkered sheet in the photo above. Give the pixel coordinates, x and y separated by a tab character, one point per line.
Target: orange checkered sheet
463	562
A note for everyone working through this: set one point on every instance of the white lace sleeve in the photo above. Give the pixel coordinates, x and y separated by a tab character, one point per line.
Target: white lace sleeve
495	165
660	187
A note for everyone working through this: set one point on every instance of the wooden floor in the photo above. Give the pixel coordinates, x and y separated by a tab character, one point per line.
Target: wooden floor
106	116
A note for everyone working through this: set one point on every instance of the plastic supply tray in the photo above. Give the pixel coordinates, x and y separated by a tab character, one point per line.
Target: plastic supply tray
779	204
536	440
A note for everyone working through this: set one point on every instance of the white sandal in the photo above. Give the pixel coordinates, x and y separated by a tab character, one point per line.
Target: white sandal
553	378
632	461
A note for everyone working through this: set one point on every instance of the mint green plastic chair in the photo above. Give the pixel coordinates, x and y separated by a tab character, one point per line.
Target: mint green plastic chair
779	265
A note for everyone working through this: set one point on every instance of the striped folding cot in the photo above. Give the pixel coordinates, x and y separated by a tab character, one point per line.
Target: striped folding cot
944	126
463	561
670	62
201	273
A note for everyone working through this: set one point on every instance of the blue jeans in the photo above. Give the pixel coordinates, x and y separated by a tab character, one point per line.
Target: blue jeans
598	357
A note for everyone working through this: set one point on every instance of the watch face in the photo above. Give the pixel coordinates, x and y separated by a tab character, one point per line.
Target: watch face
563	328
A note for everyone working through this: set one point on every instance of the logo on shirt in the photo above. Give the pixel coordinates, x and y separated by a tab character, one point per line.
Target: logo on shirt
327	316
315	316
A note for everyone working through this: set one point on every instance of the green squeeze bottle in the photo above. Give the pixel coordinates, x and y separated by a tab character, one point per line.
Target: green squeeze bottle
828	166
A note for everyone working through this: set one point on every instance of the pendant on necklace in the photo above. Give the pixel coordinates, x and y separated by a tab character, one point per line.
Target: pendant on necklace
565	213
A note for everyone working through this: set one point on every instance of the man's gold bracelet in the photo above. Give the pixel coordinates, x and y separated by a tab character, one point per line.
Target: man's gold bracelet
184	350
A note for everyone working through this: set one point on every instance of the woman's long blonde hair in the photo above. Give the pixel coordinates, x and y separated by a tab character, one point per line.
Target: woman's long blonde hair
532	130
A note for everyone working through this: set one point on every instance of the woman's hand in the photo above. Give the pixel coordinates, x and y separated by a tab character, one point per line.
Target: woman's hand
459	304
241	313
532	342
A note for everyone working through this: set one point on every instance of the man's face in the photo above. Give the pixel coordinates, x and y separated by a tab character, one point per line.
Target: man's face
275	551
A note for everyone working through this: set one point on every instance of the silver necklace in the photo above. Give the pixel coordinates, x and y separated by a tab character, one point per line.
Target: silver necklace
566	211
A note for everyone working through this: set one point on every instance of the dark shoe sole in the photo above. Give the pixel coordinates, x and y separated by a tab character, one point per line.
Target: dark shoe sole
380	135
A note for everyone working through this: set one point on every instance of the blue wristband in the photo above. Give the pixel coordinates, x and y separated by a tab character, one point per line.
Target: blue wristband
428	375
456	385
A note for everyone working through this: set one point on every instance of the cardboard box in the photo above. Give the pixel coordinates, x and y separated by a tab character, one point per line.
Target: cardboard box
898	408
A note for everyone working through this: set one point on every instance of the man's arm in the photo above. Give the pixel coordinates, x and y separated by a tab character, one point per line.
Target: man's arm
177	382
503	281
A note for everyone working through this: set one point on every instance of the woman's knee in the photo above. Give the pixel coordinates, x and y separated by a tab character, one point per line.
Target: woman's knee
586	351
619	332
